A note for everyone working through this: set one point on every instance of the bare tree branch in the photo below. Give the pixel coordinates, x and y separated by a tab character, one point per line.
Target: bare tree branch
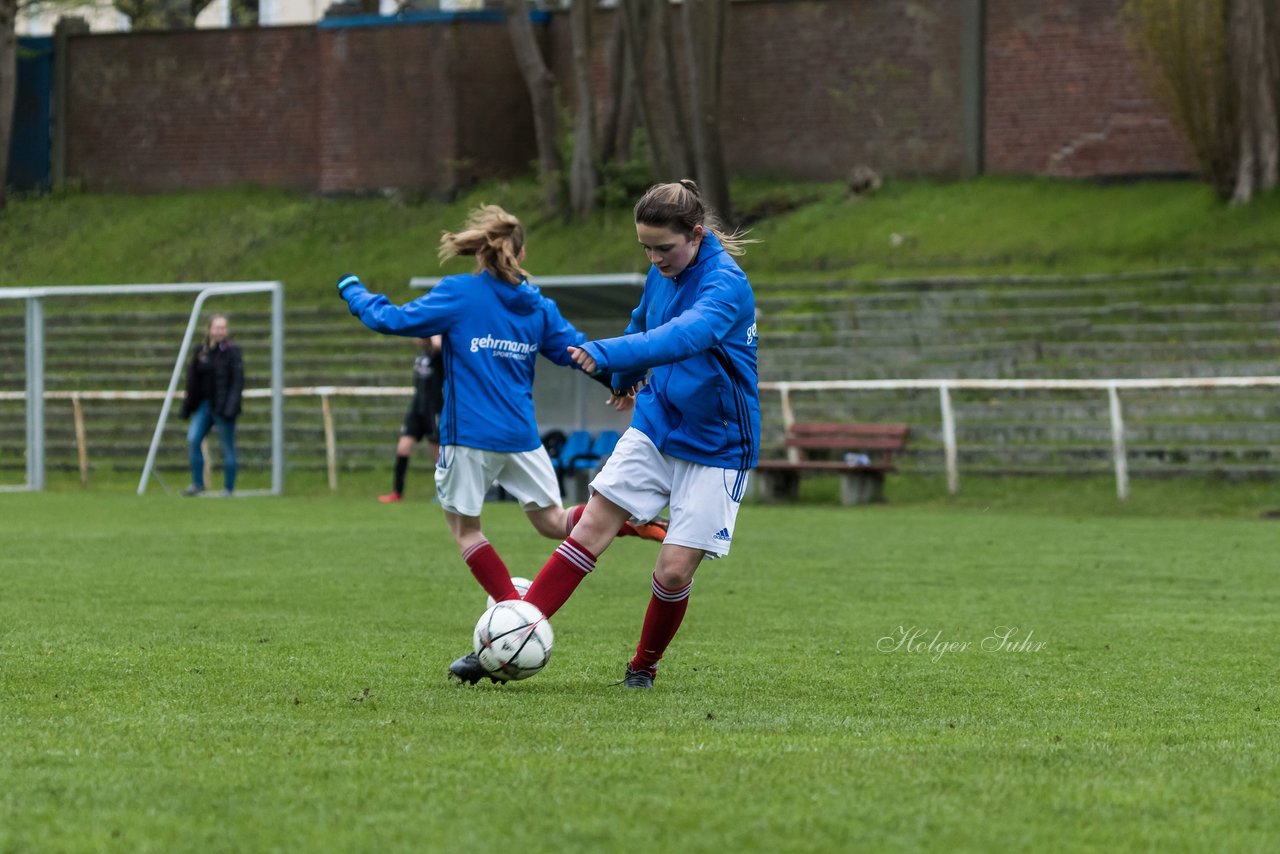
634	16
542	93
582	171
617	58
680	147
1257	153
705	22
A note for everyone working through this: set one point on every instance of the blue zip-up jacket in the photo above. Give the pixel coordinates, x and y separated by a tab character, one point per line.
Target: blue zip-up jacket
492	332
698	334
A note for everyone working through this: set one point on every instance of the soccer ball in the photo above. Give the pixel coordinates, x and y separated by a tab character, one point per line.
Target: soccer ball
522	587
513	640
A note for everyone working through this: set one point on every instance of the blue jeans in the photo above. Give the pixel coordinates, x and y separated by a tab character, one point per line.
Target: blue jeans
201	422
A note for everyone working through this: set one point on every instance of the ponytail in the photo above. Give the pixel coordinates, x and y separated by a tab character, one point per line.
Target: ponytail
494	237
679	207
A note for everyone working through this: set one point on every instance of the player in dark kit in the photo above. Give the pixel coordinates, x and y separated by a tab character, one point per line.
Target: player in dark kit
422	421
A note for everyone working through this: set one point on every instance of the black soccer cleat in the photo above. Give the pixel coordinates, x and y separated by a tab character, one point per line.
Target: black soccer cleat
637	679
469	669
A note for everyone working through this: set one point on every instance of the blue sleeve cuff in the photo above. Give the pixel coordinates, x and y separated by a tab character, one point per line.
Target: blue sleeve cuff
596	353
622	382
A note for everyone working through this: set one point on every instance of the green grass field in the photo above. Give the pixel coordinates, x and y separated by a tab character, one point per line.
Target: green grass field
268	675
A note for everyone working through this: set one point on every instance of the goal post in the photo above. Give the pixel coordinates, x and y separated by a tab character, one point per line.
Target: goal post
276	289
35	364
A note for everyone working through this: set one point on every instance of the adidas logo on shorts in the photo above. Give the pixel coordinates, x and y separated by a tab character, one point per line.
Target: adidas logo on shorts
723	535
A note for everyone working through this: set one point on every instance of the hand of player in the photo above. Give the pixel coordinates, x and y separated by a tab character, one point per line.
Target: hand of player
621	401
583	360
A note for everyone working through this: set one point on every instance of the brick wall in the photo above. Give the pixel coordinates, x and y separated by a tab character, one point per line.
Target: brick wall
1066	97
384	120
429	107
424	107
811	89
495	133
814	87
198	109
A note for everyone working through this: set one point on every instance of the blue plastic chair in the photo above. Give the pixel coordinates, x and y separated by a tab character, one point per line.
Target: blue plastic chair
578	444
602	447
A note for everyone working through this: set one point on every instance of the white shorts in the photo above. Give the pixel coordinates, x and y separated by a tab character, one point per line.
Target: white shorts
464	475
704	500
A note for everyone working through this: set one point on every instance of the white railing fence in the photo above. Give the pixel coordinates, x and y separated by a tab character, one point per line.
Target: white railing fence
325	393
945	387
785	390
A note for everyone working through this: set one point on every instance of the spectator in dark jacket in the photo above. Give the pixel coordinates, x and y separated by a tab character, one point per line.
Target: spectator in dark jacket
215	381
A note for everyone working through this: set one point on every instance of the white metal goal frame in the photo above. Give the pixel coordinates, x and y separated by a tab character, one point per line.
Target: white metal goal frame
35	393
945	387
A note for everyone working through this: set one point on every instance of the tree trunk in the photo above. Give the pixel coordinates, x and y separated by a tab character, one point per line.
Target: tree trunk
1256	157
8	87
542	93
1269	95
678	143
617	81
704	22
627	124
582	174
634	15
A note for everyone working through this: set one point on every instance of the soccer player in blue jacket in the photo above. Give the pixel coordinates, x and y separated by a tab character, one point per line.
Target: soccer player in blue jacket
695	431
494	324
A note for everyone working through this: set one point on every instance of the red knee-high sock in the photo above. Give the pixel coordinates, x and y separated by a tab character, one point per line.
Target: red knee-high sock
560	576
661	622
571	517
490	571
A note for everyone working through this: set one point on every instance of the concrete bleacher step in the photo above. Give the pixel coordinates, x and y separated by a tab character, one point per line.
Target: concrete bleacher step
1140	470
1182	287
1013	364
959	302
1110	352
1099	432
1067	331
1077	459
1066	302
834	319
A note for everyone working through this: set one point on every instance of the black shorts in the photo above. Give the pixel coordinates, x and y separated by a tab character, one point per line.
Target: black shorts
421	425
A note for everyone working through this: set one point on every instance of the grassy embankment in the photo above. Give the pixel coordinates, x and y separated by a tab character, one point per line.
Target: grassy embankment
809	232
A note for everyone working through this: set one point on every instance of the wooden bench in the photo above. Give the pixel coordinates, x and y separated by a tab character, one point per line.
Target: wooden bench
862	454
